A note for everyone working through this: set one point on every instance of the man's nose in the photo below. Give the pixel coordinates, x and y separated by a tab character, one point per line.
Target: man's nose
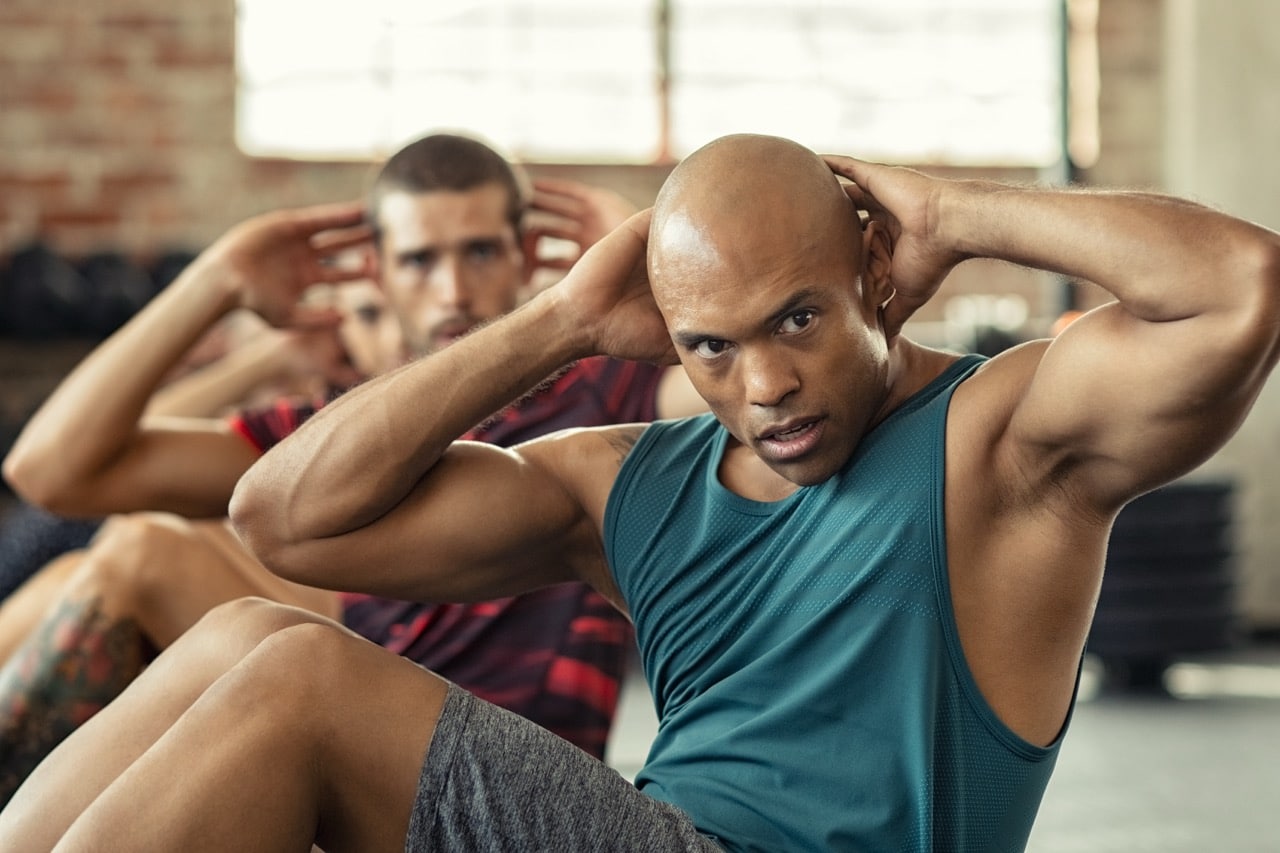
449	281
768	377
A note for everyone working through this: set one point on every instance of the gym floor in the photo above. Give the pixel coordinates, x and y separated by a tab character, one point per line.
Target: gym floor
1190	770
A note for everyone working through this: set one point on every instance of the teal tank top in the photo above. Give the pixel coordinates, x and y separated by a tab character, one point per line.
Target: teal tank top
802	654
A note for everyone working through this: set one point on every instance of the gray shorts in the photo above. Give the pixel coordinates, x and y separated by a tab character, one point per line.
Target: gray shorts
492	780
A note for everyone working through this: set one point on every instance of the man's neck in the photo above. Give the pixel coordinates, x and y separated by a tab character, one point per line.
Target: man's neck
911	367
745	474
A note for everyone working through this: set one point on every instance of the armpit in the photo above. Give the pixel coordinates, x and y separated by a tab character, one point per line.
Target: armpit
623	439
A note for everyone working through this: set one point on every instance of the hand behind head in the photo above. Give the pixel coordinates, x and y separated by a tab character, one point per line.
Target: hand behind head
271	260
608	291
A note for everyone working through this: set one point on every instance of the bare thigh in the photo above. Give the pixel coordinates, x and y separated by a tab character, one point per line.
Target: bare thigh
91	759
166	572
316	736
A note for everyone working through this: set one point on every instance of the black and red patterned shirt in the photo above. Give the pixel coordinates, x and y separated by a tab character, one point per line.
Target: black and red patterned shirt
555	656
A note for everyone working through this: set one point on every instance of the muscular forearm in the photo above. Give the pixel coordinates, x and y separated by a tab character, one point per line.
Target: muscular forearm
92	417
1163	258
360	456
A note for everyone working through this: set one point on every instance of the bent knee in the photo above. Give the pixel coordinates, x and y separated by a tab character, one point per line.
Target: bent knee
137	528
301	661
229	634
139	553
255	619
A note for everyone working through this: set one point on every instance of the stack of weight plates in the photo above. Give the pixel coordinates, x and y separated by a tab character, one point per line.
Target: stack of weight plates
1169	587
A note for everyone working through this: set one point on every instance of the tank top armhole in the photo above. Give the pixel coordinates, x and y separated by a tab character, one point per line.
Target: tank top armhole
1015	743
618	493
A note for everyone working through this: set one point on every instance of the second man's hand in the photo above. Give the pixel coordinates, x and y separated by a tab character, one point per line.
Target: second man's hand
572	211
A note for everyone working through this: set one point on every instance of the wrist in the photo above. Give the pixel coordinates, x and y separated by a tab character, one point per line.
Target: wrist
273	355
211	281
968	214
569	334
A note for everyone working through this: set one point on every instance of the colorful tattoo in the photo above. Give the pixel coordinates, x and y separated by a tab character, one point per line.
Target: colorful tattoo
77	661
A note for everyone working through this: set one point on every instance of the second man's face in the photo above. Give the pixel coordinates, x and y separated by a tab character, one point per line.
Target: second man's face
448	261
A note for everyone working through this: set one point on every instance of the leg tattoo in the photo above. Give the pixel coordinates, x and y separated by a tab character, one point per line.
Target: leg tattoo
77	661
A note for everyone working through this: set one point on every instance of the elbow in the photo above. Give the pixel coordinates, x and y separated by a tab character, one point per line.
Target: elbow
42	477
1269	271
37	482
260	530
1249	302
1264	273
262	523
17	475
246	515
1264	263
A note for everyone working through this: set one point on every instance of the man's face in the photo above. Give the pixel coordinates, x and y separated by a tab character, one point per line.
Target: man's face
448	262
369	331
781	342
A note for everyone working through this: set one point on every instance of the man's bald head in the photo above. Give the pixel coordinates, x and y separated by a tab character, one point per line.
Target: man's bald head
742	194
766	282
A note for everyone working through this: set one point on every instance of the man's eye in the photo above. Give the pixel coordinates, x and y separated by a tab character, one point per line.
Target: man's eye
710	348
797	321
368	314
483	251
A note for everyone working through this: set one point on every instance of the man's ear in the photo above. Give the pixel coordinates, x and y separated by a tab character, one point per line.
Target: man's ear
877	262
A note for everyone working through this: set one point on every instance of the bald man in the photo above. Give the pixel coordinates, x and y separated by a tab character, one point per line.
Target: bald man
861	587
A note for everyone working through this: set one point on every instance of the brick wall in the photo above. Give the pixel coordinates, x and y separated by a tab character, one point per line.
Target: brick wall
117	128
117	132
117	124
1131	102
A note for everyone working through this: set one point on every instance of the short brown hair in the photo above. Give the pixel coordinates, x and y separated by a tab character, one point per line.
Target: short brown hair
450	162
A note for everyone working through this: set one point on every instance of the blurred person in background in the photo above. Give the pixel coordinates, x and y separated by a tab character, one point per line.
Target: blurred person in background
451	237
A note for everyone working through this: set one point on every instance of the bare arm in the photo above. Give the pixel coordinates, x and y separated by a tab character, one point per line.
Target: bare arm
87	450
1137	392
273	361
1149	387
1053	438
584	214
373	492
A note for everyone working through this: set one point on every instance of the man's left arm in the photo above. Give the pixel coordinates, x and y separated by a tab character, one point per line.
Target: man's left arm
1146	388
1134	393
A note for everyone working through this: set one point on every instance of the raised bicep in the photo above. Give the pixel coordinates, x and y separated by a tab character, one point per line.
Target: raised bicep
1119	405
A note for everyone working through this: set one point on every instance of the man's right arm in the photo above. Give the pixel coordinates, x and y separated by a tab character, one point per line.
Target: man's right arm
374	493
270	364
89	451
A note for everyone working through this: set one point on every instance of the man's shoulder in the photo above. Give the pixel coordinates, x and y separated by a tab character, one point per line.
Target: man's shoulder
674	442
988	455
927	374
996	385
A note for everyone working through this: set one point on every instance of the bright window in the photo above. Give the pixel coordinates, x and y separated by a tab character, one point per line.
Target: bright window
968	82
